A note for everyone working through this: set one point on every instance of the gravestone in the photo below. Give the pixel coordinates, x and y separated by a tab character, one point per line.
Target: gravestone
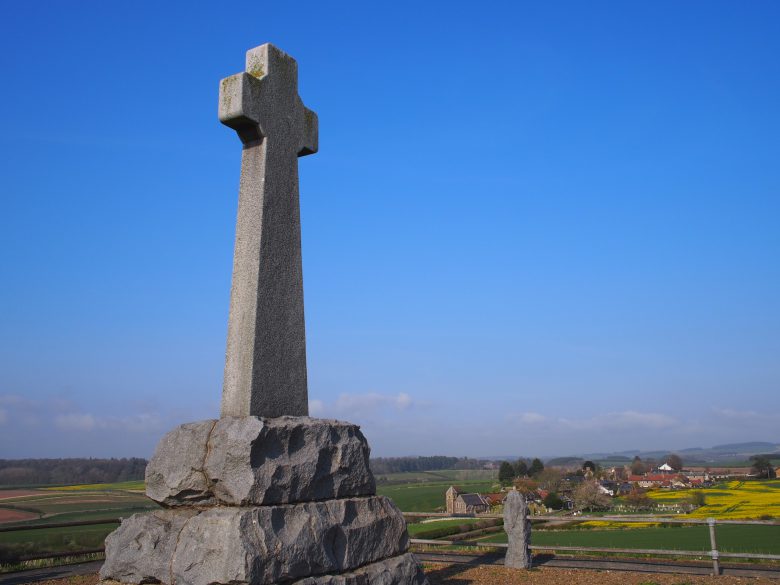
265	494
518	530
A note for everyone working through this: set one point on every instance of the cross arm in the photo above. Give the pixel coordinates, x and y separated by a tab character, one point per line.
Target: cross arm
238	106
310	135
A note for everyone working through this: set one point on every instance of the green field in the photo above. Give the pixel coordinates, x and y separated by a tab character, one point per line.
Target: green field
756	539
429	496
417	527
467	474
50	540
446	475
68	504
81	504
423	491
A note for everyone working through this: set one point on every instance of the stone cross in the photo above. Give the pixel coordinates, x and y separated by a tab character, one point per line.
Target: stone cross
265	364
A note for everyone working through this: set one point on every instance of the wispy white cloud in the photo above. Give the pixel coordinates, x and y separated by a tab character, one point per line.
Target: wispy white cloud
12	399
316	408
22	411
529	418
624	420
372	401
63	415
136	423
75	422
62	427
363	405
734	415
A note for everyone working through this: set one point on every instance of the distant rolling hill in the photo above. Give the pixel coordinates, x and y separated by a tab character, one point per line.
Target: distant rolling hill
731	452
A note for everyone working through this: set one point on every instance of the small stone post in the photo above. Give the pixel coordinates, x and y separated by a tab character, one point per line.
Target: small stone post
518	529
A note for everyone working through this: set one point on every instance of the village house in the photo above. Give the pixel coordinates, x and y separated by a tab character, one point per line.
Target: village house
459	503
718	474
660	480
495	499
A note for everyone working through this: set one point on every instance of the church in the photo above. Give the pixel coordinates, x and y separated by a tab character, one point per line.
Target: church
460	503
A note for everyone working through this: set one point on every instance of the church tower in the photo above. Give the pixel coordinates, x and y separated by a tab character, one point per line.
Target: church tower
450	496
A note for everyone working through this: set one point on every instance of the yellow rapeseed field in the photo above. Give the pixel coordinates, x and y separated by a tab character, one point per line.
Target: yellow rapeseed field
736	500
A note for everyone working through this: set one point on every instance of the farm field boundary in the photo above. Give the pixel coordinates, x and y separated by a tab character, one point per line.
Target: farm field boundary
600	564
707	548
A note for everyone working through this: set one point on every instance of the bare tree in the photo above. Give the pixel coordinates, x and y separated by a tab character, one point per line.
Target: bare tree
762	466
697	498
526	486
550	479
639	500
674	461
638	466
588	496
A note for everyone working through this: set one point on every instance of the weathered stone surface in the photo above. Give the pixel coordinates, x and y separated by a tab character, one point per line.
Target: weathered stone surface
258	545
255	461
518	529
401	570
270	544
265	364
175	472
141	549
287	459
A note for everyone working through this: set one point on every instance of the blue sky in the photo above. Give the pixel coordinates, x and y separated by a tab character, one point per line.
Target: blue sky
531	228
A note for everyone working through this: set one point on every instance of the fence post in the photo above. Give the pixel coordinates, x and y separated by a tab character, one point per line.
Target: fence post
714	547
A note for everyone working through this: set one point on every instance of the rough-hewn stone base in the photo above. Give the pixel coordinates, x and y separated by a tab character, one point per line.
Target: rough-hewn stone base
258	545
142	548
245	461
255	501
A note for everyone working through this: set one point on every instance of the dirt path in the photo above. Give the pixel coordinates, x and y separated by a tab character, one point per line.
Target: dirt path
81	574
442	574
5	494
8	515
445	574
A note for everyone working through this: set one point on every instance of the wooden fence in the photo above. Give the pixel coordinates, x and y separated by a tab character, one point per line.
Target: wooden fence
713	553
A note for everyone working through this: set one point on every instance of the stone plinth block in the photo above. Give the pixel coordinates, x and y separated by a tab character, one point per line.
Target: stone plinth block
175	472
141	549
258	545
240	461
518	530
400	570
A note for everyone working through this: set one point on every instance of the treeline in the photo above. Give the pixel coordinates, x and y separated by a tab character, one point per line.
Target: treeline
382	465
70	471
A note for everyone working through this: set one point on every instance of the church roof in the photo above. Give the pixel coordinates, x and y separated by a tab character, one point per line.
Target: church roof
473	500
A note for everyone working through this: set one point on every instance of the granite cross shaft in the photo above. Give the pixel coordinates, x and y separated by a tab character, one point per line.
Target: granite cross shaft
265	364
